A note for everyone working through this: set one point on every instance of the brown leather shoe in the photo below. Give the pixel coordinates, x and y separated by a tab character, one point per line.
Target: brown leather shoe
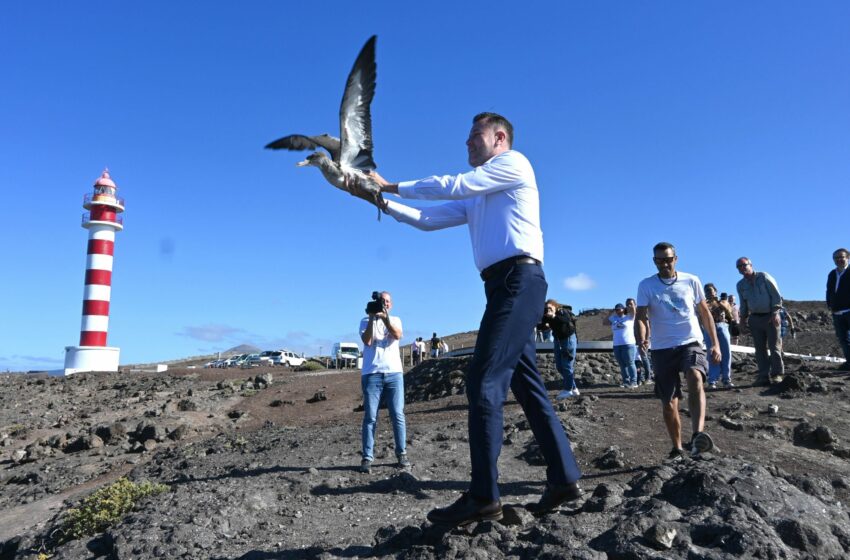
555	496
466	510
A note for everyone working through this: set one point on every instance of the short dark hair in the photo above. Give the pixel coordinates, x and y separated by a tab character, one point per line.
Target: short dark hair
663	246
705	288
841	250
496	120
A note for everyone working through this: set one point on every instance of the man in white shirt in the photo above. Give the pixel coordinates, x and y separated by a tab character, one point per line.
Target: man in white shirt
674	302
382	375
499	202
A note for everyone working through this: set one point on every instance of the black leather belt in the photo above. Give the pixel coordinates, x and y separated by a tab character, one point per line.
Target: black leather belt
761	314
503	265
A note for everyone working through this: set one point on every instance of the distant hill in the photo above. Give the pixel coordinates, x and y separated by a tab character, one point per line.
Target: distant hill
242	349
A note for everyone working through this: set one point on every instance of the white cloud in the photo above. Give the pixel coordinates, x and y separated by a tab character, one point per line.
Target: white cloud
579	283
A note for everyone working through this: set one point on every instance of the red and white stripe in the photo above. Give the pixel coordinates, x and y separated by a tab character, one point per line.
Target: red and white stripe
98	287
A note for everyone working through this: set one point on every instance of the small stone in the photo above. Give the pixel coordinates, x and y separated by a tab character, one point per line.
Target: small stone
661	536
772	409
18	455
149	444
730	424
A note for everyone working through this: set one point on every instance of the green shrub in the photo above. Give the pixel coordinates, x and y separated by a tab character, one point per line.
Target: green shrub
310	366
106	506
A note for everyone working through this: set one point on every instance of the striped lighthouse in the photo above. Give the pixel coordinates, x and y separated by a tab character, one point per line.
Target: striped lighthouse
102	221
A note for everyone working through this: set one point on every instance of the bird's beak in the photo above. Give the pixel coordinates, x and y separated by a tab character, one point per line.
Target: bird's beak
303	163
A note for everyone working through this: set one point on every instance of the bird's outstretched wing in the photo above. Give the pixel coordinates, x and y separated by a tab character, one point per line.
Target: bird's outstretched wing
301	142
355	119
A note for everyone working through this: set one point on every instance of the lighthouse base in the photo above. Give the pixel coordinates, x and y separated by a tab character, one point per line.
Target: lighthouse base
79	359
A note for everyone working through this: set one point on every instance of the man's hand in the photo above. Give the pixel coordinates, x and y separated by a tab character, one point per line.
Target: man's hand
360	187
777	320
715	355
385	185
375	176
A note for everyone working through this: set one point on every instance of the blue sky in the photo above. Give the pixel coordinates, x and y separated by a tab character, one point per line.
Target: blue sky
721	127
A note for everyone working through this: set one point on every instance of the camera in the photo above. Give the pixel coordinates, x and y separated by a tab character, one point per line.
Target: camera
376	305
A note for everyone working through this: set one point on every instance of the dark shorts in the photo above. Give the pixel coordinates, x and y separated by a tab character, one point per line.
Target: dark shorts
670	362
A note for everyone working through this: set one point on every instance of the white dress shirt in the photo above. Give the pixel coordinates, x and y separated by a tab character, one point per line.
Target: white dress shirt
499	200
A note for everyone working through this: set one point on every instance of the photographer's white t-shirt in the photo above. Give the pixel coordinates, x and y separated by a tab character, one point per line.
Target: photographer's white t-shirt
382	356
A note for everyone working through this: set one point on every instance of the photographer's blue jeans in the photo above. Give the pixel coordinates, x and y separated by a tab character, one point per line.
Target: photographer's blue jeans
506	356
391	386
565	360
625	354
721	371
841	324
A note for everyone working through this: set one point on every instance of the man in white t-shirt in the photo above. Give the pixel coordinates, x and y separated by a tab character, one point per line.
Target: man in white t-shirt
674	303
382	375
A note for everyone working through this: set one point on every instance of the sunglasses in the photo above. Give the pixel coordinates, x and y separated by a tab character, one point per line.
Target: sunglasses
664	260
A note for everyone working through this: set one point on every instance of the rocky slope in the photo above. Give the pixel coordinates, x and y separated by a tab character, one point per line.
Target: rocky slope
261	464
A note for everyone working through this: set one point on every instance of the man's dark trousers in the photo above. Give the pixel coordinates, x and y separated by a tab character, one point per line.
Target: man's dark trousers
505	355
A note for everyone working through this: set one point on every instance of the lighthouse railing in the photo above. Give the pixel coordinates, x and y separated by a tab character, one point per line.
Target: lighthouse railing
117	220
100	198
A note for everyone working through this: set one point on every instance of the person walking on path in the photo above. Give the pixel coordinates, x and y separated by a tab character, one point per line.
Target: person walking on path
838	302
760	304
435	345
642	361
674	303
560	320
499	202
622	323
721	312
382	377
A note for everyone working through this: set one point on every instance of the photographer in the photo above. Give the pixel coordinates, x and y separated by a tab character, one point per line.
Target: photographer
561	321
382	374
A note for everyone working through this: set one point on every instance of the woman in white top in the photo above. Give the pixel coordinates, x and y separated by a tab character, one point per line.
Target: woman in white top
622	322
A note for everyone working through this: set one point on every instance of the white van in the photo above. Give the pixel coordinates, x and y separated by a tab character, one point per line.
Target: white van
345	355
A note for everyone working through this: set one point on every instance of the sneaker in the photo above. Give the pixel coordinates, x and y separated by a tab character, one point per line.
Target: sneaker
466	510
650	381
575	392
365	466
712	385
728	384
403	461
634	386
623	386
776	379
567	394
701	443
677	454
553	497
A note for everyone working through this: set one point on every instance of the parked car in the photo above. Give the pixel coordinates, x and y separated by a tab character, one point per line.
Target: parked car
235	361
287	358
253	360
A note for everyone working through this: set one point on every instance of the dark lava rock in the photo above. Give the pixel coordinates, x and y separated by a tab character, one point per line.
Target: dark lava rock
817	437
187	405
319	396
612	458
111	433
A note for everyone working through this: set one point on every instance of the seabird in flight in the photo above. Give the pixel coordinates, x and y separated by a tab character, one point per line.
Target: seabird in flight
351	154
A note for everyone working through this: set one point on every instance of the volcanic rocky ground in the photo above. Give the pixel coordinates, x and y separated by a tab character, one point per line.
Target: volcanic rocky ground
261	464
